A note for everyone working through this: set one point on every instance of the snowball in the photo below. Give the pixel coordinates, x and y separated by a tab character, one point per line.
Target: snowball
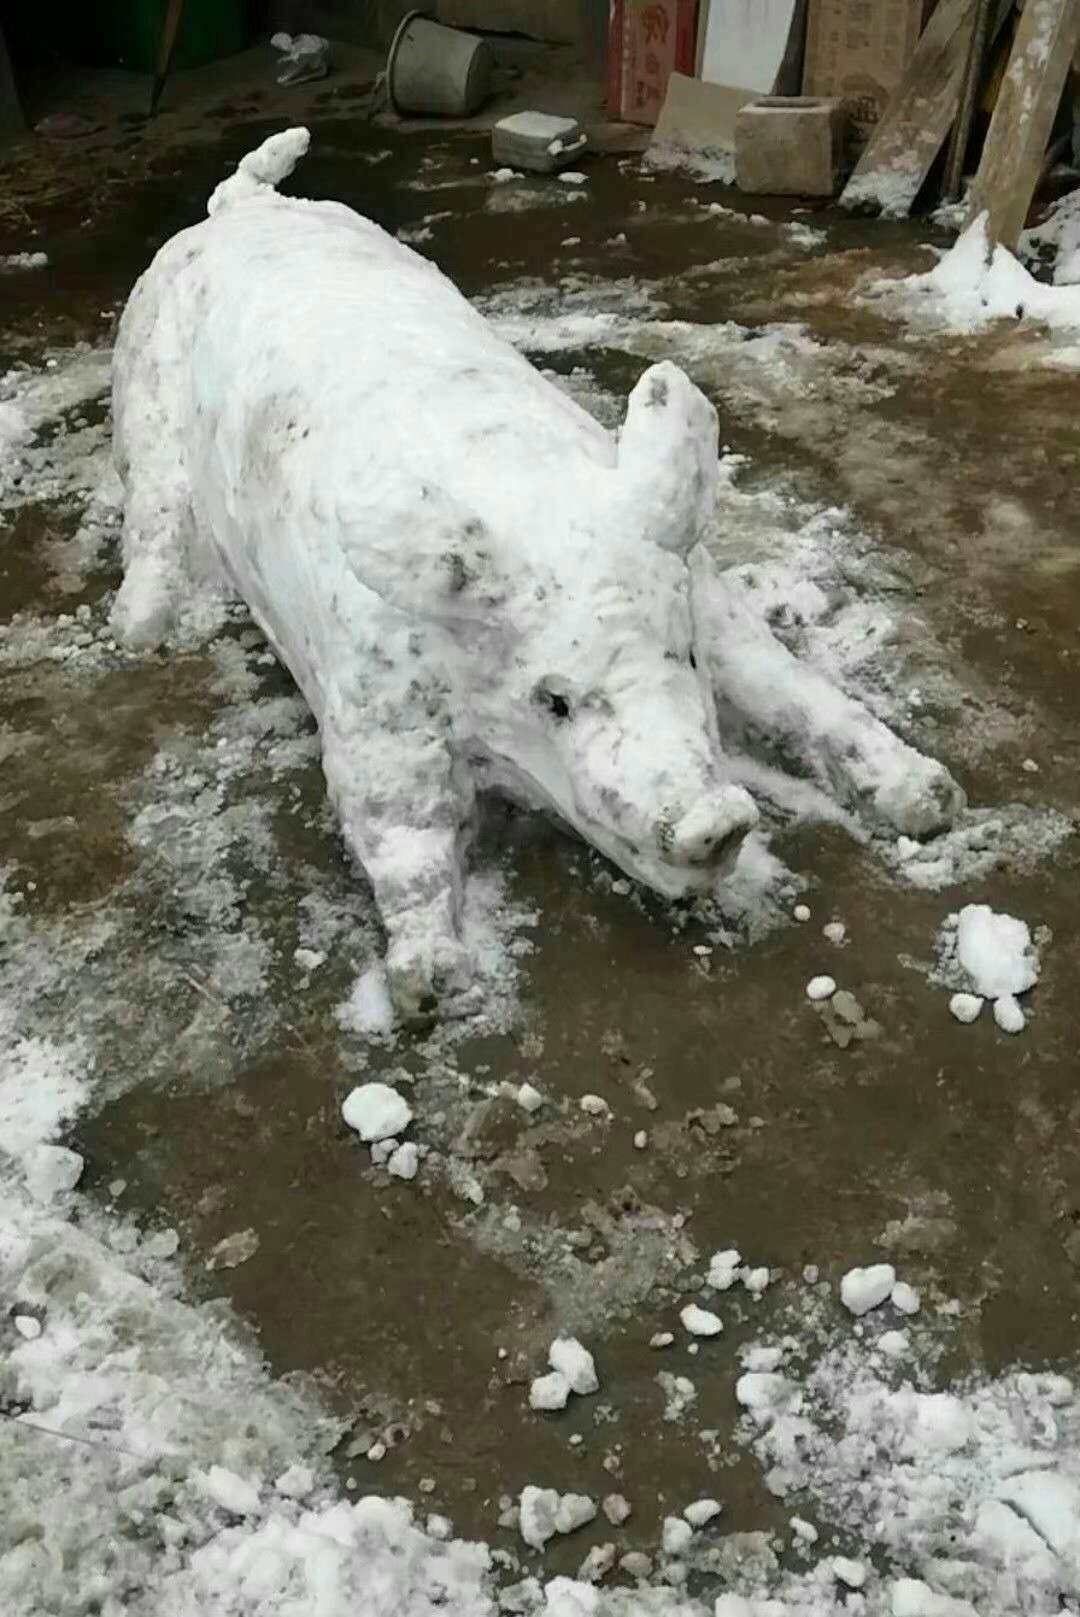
51	1171
529	1098
549	1392
376	1111
965	1007
904	1298
27	1326
701	1321
834	932
702	1512
1008	1015
594	1105
404	1161
641	1140
801	912
661	1339
996	951
864	1289
226	1489
806	1532
536	1515
575	1362
677	1535
821	988
755	1280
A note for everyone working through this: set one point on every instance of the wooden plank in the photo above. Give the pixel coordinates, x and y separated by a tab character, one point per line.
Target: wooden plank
901	152
1012	159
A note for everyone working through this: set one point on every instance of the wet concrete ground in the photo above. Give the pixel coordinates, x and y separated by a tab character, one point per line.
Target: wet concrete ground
951	1149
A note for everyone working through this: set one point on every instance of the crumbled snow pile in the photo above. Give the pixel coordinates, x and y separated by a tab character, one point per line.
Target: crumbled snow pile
23	261
987	955
970	1498
972	286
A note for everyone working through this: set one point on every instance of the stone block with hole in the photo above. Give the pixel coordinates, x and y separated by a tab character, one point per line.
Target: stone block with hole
790	145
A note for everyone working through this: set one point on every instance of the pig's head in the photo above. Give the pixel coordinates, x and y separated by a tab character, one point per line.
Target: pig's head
595	709
572	642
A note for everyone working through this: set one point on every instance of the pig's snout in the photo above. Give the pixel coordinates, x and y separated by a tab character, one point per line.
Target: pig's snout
709	833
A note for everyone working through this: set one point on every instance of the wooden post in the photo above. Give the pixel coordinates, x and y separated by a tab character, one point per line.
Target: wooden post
961	133
1027	104
11	113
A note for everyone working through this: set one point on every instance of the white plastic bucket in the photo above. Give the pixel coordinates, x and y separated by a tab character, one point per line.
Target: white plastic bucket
432	69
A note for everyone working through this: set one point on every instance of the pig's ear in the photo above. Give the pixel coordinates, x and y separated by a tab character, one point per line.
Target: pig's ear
668	474
426	557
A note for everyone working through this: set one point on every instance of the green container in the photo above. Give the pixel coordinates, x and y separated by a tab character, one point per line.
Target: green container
127	33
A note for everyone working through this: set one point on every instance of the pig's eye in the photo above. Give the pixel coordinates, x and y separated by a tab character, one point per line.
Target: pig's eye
553	702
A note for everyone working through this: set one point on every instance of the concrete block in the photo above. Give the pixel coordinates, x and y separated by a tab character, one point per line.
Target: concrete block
790	145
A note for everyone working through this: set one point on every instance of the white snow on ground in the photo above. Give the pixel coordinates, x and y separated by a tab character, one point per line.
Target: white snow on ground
973	286
185	1483
1058	237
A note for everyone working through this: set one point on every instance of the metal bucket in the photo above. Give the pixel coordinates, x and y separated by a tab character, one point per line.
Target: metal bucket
432	69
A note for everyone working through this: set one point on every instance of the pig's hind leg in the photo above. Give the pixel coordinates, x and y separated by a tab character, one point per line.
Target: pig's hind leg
161	585
406	811
766	693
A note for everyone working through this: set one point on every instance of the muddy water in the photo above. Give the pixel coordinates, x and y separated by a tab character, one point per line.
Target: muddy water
421	1315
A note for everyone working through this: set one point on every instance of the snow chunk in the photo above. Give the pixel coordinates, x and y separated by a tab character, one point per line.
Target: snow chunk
27	1326
368	1009
225	1488
966	1007
575	1363
701	1321
864	1289
676	1536
702	1512
616	1508
724	1269
1008	1014
549	1392
376	1111
834	932
801	912
594	1106
905	1298
853	1573
404	1162
821	988
536	1515
295	1483
996	951
574	1510
529	1098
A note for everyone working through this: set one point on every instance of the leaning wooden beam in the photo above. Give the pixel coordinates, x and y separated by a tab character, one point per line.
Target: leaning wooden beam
920	113
1027	104
11	115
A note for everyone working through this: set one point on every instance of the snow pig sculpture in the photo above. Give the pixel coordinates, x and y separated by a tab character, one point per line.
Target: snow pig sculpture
471	582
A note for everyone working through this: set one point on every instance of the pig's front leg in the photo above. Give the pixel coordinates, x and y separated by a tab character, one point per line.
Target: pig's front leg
789	707
406	810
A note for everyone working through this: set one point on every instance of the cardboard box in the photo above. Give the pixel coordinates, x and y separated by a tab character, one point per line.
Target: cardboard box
649	40
858	50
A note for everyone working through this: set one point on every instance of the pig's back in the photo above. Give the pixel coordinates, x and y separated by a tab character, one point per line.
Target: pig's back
326	347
